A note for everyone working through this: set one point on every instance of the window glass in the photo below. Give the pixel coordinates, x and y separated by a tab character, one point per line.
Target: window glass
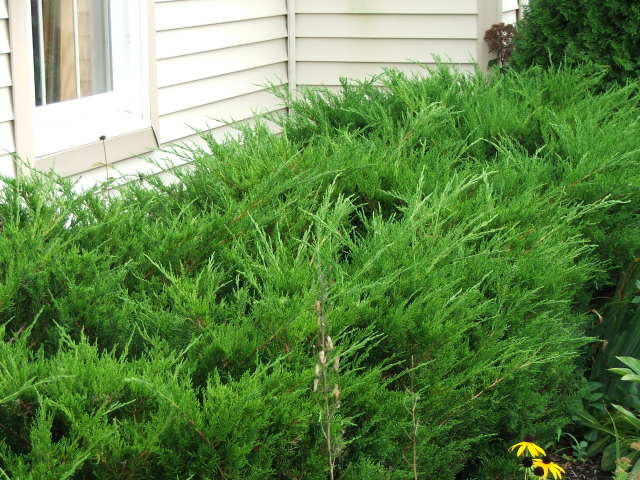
72	49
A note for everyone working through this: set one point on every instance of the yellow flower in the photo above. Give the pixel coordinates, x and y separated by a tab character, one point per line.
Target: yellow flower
549	467
525	446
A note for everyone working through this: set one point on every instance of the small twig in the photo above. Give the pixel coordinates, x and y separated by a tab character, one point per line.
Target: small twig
414	424
325	359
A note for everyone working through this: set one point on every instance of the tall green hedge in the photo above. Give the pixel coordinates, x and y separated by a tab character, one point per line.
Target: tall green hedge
603	32
168	332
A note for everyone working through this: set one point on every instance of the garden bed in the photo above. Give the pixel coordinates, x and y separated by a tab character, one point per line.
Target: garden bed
448	233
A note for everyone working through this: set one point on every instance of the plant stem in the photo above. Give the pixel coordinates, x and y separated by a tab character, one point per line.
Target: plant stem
414	423
327	413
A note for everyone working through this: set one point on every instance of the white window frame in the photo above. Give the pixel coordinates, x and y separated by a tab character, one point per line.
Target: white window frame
65	136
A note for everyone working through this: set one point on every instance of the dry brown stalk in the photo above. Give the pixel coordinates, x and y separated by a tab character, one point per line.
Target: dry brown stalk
330	399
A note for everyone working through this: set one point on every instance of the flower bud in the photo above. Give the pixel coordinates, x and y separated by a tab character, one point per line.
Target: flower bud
336	392
329	343
317	372
323	358
336	364
316	382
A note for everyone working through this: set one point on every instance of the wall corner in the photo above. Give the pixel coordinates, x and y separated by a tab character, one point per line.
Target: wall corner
489	13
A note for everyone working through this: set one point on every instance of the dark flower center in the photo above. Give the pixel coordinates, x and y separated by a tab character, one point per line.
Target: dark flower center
539	471
546	459
527	461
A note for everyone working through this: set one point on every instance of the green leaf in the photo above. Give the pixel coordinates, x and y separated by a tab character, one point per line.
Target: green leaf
627	415
631	377
608	461
621	371
631	362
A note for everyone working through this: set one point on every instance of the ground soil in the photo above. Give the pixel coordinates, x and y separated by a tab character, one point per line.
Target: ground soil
588	470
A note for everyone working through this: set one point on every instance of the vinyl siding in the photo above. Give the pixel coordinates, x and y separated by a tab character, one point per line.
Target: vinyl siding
162	162
214	61
329	73
509	11
358	38
215	58
7	142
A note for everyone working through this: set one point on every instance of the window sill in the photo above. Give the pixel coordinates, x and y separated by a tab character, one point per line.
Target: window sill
90	156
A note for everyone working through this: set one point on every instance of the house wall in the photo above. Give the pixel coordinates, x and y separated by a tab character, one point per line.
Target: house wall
510	11
214	57
357	38
7	144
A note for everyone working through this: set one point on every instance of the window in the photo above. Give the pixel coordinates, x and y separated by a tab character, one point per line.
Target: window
90	70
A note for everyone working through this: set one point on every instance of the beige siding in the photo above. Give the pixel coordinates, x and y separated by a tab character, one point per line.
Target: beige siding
187	41
158	162
172	71
509	11
7	141
329	73
214	115
384	50
358	38
391	26
191	13
215	60
410	7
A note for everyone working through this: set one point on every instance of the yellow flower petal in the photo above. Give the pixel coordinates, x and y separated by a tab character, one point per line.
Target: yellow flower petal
522	448
536	450
556	470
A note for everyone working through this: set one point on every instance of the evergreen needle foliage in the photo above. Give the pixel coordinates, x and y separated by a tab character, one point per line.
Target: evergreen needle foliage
461	223
605	33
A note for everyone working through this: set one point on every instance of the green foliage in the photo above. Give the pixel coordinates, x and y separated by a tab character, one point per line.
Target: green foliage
620	332
605	33
616	433
169	332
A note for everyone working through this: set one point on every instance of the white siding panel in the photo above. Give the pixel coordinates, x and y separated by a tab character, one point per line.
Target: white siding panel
7	166
163	161
386	26
388	6
191	13
212	37
6	107
508	5
5	70
329	73
382	50
7	144
194	67
4	36
177	153
193	94
509	17
185	123
4	12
